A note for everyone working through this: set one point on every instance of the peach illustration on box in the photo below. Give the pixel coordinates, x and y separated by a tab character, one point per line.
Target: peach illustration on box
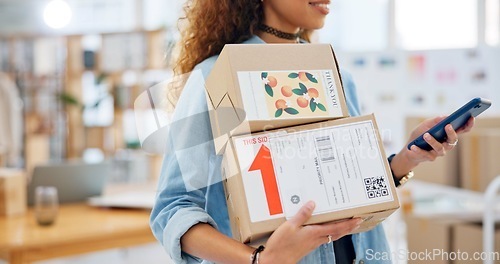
294	93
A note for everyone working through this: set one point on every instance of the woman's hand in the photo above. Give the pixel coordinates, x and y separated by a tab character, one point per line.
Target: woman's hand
418	155
292	240
406	159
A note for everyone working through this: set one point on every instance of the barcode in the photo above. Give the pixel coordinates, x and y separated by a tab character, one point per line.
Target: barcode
376	187
325	149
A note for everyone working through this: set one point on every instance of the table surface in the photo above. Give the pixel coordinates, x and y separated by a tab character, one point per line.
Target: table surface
432	200
79	228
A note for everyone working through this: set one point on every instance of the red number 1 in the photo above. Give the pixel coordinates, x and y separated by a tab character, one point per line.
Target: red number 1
264	163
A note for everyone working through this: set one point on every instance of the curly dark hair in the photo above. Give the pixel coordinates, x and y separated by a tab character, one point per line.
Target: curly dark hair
210	24
207	26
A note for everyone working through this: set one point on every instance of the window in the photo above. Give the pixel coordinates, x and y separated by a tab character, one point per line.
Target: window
102	16
436	24
159	13
357	25
492	23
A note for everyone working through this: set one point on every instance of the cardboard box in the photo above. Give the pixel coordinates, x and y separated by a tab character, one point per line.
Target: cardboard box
262	87
468	237
429	235
426	235
479	152
12	192
37	151
340	164
445	239
487	122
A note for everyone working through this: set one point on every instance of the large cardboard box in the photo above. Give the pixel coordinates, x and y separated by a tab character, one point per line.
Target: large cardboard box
262	87
487	122
479	152
444	240
12	192
426	235
340	164
468	238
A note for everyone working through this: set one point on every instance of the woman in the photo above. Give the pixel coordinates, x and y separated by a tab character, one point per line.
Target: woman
190	216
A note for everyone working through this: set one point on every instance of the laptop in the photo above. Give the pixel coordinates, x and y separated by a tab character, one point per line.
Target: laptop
132	200
75	181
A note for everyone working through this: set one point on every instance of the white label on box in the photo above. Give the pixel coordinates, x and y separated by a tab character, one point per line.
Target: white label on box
258	176
338	167
289	94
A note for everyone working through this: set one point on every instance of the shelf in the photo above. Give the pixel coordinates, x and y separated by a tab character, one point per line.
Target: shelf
45	66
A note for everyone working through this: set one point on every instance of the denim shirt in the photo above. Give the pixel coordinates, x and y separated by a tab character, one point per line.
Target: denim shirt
190	190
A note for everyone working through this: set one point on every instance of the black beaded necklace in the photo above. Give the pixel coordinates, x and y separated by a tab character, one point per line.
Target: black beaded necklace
279	33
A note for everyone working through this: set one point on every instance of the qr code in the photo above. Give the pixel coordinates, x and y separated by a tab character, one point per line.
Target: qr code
376	187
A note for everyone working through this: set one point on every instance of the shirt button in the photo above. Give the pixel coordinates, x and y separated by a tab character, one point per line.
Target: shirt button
361	262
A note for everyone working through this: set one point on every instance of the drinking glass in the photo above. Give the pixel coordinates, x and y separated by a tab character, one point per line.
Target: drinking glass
46	205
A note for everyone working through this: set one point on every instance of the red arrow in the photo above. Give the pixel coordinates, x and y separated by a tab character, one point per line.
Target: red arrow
264	163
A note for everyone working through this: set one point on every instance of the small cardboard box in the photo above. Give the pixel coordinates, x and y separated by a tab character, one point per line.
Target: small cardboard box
445	240
256	87
479	152
340	164
12	192
487	122
468	237
37	151
426	235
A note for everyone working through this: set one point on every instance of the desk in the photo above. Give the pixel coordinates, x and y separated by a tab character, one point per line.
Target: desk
432	200
78	229
449	216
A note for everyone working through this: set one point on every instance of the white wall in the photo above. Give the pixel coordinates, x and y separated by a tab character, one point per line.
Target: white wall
396	84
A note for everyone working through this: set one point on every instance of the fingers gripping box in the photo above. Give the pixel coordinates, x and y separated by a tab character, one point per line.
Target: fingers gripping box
339	164
256	87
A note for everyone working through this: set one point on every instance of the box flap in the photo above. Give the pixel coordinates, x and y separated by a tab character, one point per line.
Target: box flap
254	57
220	144
219	80
227	116
224	119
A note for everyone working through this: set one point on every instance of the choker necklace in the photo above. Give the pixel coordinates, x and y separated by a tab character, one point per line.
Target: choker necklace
279	33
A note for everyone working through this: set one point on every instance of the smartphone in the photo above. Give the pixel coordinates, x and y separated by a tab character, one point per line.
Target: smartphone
457	120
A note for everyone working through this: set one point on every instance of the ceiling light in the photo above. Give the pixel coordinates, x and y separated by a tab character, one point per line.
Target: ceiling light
57	14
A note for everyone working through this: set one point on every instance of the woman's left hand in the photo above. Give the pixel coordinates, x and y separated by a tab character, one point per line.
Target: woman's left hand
418	155
406	159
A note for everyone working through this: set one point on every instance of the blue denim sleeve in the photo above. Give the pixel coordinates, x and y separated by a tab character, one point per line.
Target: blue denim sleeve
350	93
187	170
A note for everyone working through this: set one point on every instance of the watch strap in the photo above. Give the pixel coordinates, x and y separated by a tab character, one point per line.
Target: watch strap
404	179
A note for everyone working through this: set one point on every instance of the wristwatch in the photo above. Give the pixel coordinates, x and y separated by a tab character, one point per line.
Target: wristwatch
404	179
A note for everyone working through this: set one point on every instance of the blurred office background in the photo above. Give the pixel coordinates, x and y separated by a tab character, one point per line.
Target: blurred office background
73	69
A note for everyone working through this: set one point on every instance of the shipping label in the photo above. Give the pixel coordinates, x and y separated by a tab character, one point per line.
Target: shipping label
338	167
259	180
289	94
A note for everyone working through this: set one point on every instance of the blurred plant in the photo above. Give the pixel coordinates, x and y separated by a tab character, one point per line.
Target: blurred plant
68	99
100	78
